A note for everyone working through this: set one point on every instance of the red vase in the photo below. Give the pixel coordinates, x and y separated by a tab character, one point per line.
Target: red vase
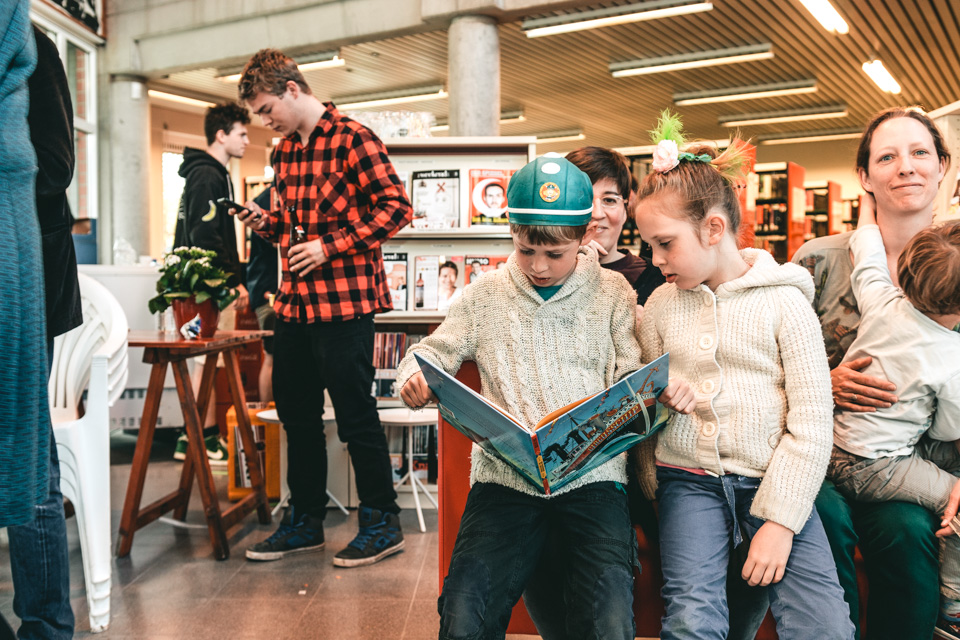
186	309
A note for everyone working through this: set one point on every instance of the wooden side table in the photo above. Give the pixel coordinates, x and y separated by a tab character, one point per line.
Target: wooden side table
160	350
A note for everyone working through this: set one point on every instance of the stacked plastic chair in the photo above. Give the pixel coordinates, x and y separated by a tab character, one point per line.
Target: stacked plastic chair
92	356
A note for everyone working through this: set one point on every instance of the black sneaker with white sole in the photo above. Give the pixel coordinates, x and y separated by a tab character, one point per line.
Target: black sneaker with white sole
380	536
302	533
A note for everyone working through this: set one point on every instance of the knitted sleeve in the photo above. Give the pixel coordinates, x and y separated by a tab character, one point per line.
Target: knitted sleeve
623	328
644	459
799	461
453	342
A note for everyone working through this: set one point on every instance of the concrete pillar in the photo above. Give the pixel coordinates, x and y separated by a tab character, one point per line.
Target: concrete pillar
473	56
129	186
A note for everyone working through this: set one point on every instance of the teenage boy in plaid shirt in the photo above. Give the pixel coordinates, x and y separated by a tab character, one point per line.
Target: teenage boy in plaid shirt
333	179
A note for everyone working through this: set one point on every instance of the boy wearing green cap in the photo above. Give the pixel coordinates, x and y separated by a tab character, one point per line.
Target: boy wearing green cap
551	328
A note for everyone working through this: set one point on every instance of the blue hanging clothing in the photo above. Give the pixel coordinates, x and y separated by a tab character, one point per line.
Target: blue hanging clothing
24	445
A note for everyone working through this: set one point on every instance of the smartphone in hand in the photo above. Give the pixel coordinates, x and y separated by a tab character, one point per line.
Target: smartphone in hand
230	204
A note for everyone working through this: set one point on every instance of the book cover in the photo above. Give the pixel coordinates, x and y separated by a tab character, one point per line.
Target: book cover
395	266
569	441
476	266
488	197
436	199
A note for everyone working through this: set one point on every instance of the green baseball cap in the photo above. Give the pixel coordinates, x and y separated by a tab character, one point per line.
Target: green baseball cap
550	191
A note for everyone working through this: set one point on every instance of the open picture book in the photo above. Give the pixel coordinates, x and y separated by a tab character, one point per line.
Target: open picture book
569	441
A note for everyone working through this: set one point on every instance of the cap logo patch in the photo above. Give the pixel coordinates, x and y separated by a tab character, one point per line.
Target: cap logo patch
550	168
549	192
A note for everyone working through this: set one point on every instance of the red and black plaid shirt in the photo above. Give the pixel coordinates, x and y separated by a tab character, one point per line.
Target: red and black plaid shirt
346	193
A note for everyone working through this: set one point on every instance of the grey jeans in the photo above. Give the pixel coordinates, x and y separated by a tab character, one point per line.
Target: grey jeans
925	477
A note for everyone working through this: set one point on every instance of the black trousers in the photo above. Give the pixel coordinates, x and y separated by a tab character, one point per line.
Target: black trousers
336	356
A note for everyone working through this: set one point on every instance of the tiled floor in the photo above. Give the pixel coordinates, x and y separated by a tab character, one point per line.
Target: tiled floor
171	587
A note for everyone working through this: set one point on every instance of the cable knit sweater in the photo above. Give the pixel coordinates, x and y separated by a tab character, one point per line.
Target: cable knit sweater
535	356
753	352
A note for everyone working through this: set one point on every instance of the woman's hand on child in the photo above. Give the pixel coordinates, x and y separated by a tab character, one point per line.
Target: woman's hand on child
597	247
678	396
868	210
951	511
416	393
768	555
855	391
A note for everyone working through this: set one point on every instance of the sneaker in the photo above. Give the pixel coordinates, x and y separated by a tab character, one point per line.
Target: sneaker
379	537
180	452
948	628
301	535
216	449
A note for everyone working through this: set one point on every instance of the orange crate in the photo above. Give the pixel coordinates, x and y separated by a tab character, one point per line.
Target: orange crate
267	436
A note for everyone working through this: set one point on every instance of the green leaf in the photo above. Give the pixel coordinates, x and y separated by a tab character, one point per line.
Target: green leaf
202	297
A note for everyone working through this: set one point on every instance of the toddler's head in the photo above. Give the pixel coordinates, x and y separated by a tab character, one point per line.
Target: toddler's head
550	202
687	208
929	270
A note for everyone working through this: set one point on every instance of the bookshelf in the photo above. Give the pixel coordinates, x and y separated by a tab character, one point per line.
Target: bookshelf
824	210
781	208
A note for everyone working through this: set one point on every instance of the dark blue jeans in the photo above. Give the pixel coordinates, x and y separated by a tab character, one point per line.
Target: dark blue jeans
338	357
39	562
502	535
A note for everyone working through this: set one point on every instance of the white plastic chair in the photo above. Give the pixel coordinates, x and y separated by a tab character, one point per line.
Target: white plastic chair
94	353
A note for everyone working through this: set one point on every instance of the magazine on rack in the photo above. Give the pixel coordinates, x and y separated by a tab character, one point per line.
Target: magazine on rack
569	441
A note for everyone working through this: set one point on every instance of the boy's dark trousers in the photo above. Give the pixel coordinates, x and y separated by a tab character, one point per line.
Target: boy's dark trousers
336	356
501	537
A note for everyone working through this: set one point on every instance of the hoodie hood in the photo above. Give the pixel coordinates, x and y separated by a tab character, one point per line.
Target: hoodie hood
766	272
194	158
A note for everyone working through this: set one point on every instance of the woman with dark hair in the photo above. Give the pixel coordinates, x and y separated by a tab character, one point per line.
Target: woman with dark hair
901	161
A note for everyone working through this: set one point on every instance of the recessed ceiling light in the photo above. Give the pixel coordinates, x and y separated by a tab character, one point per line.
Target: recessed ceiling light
750	92
692	60
824	135
611	16
306	62
880	76
826	15
560	136
400	96
789	115
506	117
172	97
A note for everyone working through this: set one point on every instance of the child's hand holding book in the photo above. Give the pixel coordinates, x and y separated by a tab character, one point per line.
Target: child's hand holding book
416	393
678	396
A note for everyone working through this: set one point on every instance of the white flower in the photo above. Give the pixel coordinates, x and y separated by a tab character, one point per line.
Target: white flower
171	260
665	156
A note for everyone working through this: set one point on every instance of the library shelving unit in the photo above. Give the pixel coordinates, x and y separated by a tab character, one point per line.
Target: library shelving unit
416	312
781	207
824	209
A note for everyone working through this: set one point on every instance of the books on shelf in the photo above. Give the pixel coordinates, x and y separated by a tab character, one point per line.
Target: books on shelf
569	441
476	266
389	347
488	197
436	199
395	266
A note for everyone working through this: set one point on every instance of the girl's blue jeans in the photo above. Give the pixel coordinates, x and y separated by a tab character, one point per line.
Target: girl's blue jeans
701	519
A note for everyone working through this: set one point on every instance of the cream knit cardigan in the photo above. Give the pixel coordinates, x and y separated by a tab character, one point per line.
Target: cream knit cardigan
535	356
753	352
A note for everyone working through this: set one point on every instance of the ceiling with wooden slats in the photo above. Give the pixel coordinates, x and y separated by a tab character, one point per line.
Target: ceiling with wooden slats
562	82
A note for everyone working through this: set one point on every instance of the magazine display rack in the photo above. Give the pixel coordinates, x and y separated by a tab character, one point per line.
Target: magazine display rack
458	190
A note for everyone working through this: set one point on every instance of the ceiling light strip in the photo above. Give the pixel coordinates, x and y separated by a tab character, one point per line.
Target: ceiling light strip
795	137
692	60
828	17
506	117
306	62
172	97
793	115
560	136
750	92
400	96
881	77
612	16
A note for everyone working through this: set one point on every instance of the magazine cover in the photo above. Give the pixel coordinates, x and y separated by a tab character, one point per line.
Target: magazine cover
395	266
425	282
488	197
476	266
566	443
450	281
436	199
